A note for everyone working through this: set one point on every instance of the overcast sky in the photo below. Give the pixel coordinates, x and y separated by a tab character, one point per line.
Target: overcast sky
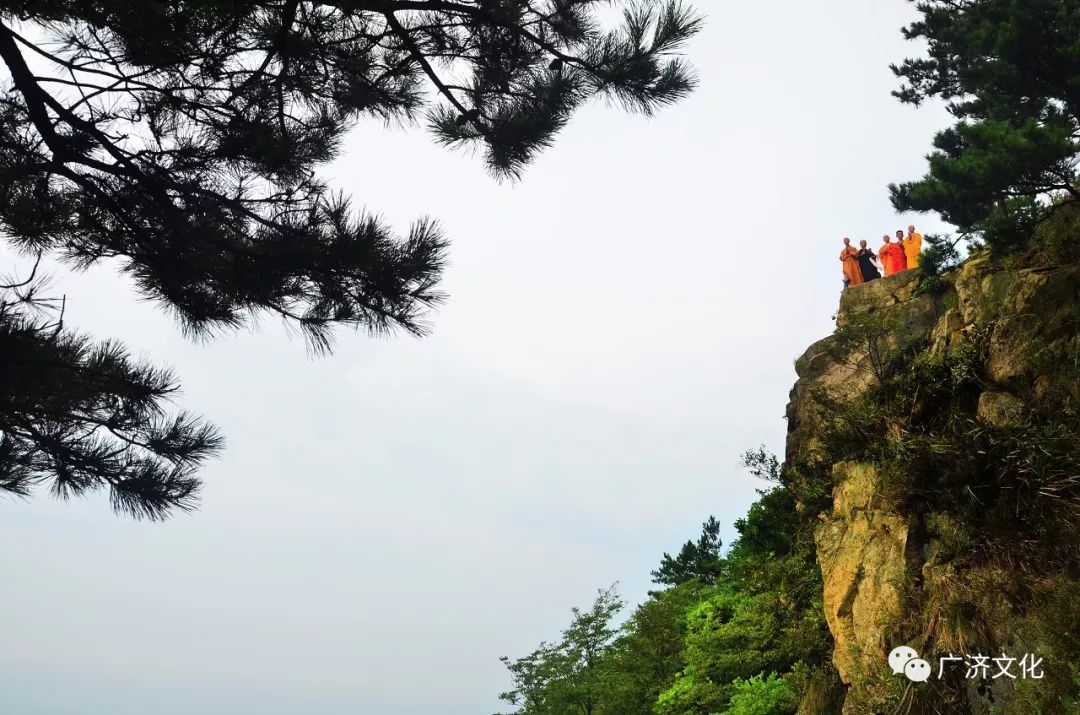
388	521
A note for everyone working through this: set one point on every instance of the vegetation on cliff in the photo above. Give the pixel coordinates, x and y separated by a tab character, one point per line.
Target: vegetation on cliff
969	450
930	491
929	496
733	633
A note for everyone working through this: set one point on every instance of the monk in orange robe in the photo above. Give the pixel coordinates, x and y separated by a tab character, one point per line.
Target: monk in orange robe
903	251
850	258
892	256
912	247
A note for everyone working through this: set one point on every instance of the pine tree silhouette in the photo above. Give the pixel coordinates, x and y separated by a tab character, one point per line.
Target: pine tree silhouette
182	140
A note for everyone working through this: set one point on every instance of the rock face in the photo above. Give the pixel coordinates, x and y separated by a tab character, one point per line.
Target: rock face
860	548
1032	322
1032	316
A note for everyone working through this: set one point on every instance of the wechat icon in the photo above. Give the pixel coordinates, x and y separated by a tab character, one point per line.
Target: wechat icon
905	660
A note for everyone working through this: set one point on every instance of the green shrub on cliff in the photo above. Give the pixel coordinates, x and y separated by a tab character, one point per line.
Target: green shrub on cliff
939	256
1057	237
927	425
762	696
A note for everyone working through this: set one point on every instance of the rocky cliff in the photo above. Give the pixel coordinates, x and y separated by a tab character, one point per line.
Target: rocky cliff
927	420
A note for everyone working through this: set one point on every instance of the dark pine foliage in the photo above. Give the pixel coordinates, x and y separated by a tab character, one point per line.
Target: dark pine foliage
81	415
699	559
181	140
1010	73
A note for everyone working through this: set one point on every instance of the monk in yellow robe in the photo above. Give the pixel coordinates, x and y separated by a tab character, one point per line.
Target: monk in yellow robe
850	258
912	247
891	256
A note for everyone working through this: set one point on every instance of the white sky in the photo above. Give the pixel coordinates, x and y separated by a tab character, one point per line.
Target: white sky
388	521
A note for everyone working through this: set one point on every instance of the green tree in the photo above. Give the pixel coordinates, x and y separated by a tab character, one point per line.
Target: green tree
568	677
939	256
696	560
764	615
650	652
182	140
1010	74
731	635
754	639
761	696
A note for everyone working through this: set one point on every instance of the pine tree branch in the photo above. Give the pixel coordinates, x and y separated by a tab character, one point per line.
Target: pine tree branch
418	55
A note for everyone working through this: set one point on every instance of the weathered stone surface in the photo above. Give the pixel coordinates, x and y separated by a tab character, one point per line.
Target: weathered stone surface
861	551
999	408
1032	313
818	369
947	330
1031	321
845	379
1034	325
882	293
814	360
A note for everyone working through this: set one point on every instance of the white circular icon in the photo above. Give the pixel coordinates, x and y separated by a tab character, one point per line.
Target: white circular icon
899	658
917	670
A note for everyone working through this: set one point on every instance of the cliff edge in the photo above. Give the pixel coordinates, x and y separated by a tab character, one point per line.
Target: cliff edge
934	439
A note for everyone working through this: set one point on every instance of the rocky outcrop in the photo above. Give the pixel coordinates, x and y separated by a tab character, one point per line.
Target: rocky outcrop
1030	320
860	549
1031	315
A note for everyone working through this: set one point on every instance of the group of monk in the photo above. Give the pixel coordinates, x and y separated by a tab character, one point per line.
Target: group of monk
861	265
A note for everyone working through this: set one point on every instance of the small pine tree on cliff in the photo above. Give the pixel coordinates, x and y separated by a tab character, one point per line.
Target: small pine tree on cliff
699	559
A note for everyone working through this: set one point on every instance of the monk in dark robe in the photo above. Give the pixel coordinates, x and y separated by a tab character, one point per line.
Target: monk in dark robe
850	258
866	263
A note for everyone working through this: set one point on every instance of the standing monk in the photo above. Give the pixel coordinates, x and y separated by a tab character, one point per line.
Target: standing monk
866	263
890	253
912	247
903	266
850	258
